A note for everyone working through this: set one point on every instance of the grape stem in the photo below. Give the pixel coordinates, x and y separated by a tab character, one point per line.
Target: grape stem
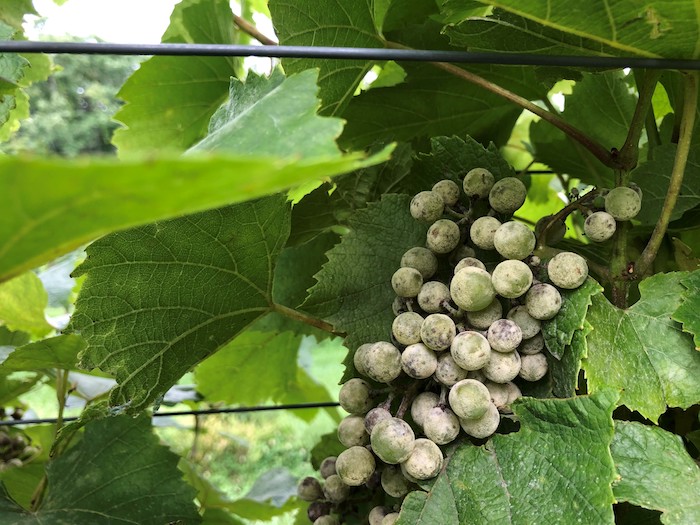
686	134
306	319
407	399
561	215
252	31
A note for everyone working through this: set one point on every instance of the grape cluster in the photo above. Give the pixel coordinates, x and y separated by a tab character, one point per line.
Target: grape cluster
14	446
467	325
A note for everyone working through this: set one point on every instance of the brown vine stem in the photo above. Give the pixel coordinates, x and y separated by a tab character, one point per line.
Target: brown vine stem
252	31
306	319
690	105
564	213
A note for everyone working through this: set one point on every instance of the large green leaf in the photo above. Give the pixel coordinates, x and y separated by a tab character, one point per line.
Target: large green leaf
336	24
687	312
89	199
564	372
272	116
657	29
642	352
117	474
22	303
160	298
656	472
169	100
556	469
55	352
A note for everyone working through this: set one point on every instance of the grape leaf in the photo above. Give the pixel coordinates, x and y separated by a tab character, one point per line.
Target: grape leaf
169	99
12	12
654	177
272	116
559	332
160	298
335	24
656	472
22	303
87	200
55	352
641	351
560	454
687	312
564	372
118	473
660	29
354	291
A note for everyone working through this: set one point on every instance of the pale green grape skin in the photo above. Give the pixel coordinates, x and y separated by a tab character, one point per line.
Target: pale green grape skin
441	425
406	282
507	195
534	367
469	399
438	331
543	301
567	270
555	233
359	358
484	426
383	362
355	466
335	489
623	203
392	440
599	226
422	260
422	403
425	461
443	236
478	183
502	368
513	394
374	416
448	372
432	295
483	231
394	483
326	520
461	252
448	191
469	261
529	326
418	361
427	206
482	319
499	394
309	489
504	336
355	396
377	514
514	240
391	519
351	432
533	345
327	467
470	350
511	278
406	328
472	289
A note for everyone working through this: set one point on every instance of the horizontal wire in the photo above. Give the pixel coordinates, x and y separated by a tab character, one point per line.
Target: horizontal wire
204	412
345	53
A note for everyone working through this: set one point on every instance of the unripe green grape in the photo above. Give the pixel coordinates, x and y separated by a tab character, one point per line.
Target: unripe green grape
482	319
422	260
534	367
469	261
504	336
425	460
499	393
351	432
623	203
355	466
511	278
469	399
432	295
422	403
502	368
533	345
599	226
441	425
555	233
327	520
567	270
513	394
443	236
392	440
514	240
483	231
462	252
327	467
477	375
374	416
377	514
391	519
335	490
438	331
418	361
427	206
448	372
529	326
309	489
394	483
318	509
507	195
355	396
406	328
406	282
484	426
478	183
398	305
448	191
543	301
472	289
359	358
470	350
383	362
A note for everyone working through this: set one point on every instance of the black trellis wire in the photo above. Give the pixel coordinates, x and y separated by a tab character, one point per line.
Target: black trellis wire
204	412
346	53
